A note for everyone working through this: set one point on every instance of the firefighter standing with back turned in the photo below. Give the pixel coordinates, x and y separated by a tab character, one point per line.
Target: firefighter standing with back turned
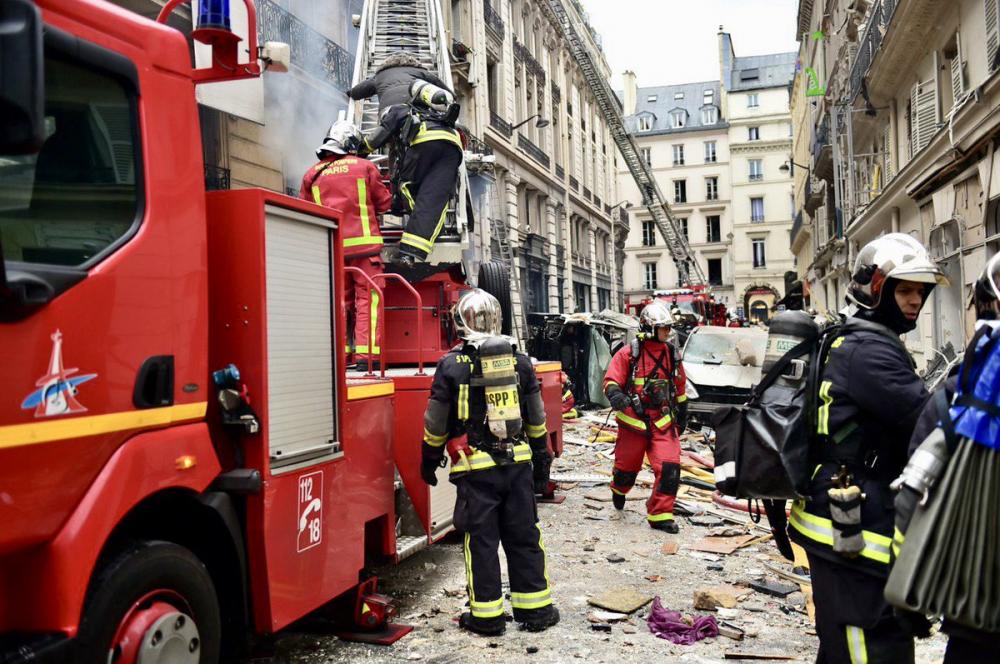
645	385
485	399
415	102
353	185
868	403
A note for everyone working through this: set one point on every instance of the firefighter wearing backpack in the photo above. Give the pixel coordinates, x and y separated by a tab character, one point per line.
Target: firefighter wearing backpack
645	385
869	399
414	101
486	409
353	186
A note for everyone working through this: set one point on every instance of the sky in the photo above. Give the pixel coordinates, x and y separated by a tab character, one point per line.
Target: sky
675	41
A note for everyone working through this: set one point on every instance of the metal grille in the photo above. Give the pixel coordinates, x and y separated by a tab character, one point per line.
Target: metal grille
500	124
310	50
533	150
493	20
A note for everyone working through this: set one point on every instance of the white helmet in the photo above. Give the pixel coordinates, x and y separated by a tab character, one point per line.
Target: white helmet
986	292
342	138
424	93
654	315
477	312
893	256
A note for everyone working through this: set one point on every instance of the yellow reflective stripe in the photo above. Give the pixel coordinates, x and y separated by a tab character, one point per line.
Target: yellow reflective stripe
363	241
545	559
316	195
567	394
361	349
823	427
666	516
620	493
416	241
631	421
424	135
440	225
33	433
405	188
640	381
856	645
531	600
897	541
481	460
610	382
376	350
433	439
818	529
463	402
468	569
363	206
522	452
663	421
487	605
837	342
535	430
682	398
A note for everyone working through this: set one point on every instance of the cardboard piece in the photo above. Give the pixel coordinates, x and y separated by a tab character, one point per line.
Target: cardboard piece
620	600
721	545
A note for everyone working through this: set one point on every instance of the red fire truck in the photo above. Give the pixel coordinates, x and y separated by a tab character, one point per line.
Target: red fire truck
697	302
184	460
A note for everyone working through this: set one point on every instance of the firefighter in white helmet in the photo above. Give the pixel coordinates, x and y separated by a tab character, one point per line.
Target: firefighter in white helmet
869	399
486	410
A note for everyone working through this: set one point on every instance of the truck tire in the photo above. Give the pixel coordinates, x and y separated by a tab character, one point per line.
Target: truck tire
495	280
154	598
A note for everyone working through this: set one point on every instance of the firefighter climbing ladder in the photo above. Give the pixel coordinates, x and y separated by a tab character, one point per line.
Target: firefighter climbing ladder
416	27
687	267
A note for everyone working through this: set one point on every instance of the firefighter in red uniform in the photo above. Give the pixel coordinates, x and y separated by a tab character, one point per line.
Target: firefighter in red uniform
645	385
353	185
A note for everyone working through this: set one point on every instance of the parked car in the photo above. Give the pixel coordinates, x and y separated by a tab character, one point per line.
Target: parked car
722	364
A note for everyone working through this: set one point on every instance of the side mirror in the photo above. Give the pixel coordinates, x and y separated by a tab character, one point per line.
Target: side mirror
22	82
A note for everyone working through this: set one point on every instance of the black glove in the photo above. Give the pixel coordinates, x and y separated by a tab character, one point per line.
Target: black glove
619	400
428	470
682	417
541	462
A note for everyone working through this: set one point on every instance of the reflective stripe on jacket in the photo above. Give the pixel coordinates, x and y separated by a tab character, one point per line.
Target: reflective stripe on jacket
353	186
620	371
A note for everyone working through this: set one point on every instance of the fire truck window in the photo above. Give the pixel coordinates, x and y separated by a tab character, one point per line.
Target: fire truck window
77	197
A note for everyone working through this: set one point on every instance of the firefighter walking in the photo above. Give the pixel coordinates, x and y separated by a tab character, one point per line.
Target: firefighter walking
645	385
417	109
353	185
485	400
869	400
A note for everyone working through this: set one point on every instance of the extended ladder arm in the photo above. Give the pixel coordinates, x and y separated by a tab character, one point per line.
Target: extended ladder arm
689	271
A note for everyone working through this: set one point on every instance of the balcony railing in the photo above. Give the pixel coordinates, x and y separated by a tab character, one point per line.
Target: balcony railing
534	67
556	93
310	50
476	145
607	209
533	150
560	172
586	193
493	20
878	23
796	226
574	183
597	200
756	177
500	124
217	178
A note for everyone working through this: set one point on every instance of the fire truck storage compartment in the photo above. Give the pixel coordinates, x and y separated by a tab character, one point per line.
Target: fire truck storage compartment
301	386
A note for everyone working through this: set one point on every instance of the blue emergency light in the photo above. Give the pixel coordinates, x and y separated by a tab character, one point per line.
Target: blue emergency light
213	14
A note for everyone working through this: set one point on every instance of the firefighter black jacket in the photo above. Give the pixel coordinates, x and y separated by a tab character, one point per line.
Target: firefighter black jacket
458	408
392	85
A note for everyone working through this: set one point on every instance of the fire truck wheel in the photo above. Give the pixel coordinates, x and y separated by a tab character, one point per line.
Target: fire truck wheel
154	601
495	280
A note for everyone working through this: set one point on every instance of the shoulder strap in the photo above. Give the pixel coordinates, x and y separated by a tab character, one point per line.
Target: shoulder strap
779	367
944	417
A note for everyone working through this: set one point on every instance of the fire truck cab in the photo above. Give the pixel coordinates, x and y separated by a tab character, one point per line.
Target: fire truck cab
184	460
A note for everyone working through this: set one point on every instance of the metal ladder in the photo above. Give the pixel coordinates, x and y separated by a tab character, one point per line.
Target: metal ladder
688	270
417	27
505	254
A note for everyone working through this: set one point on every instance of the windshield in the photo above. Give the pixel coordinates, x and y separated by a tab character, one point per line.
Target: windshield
78	195
707	348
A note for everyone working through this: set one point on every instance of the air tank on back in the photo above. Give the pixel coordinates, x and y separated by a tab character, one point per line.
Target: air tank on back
785	332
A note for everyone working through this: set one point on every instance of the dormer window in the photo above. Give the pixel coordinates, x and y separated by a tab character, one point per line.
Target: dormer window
709	115
651	99
678	118
645	122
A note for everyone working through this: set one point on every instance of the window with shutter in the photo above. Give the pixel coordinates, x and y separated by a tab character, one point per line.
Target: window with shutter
924	102
889	166
992	32
958	71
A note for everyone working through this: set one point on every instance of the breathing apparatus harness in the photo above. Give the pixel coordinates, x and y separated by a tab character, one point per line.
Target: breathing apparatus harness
660	393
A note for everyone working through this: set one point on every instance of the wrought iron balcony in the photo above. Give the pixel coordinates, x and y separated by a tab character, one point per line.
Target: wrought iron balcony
310	50
217	178
476	145
500	124
560	172
574	183
533	150
597	200
586	193
493	20
534	67
556	93
877	24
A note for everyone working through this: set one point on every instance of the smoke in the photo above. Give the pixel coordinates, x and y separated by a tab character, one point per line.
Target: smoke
299	106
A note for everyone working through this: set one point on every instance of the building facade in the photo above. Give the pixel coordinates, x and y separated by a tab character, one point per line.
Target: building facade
555	162
717	149
900	130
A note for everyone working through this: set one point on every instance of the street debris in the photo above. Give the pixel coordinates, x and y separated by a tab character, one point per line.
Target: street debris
674	627
709	599
621	600
773	588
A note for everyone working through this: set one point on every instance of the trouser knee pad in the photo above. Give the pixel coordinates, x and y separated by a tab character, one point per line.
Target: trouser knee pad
623	479
670	478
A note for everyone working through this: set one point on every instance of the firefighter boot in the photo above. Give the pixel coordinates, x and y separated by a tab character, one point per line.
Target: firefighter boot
618	500
669	526
484	626
537	620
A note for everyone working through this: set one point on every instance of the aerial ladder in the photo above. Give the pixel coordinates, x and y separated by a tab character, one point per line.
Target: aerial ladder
688	270
417	27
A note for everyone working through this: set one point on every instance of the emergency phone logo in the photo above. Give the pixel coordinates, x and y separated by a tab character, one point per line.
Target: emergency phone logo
310	511
56	393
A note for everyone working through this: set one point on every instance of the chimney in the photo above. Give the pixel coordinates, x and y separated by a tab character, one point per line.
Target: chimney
631	91
727	58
